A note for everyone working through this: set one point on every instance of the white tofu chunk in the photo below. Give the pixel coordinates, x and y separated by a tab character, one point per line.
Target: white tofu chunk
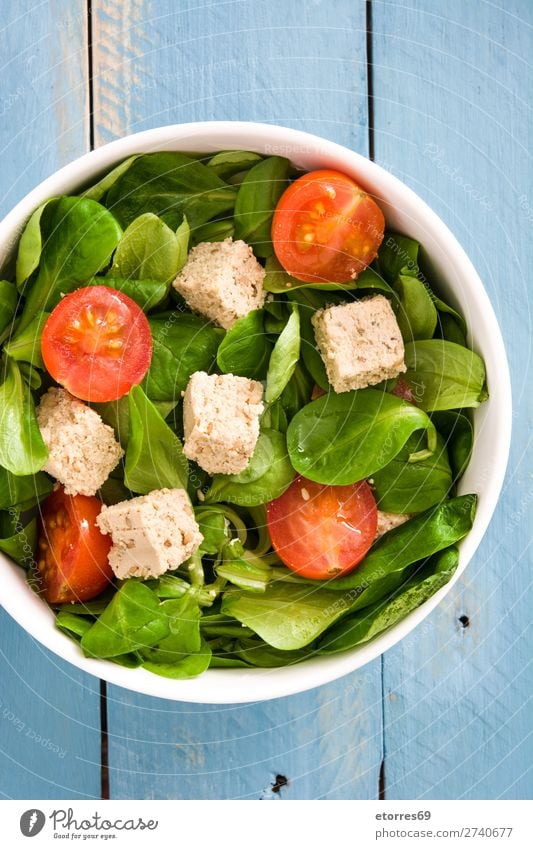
221	421
388	521
222	280
360	343
82	450
151	534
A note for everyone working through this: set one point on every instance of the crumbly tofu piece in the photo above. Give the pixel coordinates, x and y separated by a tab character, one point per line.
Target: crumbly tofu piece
82	450
221	421
151	534
360	343
222	280
388	521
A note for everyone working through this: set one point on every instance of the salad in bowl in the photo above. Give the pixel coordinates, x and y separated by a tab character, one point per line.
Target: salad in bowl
236	415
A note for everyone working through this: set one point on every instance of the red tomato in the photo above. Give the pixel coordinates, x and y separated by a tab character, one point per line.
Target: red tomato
72	552
326	228
322	531
97	343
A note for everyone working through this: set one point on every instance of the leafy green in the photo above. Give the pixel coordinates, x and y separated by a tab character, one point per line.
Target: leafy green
79	238
372	621
22	492
25	345
31	243
458	433
417	316
230	162
22	450
147	294
445	375
242	568
134	619
154	456
182	344
284	357
170	185
214	528
150	250
213	231
398	255
72	624
340	439
450	329
268	474
297	392
100	189
257	198
279	282
405	487
8	303
17	540
245	349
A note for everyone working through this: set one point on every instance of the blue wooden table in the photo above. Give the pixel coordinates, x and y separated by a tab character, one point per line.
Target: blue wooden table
439	92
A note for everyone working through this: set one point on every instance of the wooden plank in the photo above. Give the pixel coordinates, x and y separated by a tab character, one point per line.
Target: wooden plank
451	119
299	65
49	729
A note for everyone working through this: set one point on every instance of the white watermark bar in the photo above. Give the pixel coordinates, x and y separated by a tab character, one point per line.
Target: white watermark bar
255	825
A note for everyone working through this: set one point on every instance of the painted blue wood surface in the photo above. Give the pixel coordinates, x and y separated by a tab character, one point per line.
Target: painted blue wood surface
451	117
452	114
49	713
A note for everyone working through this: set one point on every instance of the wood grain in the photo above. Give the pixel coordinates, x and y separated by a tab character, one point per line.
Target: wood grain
452	119
299	65
49	712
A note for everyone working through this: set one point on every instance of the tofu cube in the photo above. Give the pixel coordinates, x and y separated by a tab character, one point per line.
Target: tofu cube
222	280
221	421
82	450
360	343
151	534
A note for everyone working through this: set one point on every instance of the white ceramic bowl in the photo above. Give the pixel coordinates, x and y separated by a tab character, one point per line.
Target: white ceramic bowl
457	282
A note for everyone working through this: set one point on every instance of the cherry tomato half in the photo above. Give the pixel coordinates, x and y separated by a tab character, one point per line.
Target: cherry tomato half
322	531
72	552
326	228
97	343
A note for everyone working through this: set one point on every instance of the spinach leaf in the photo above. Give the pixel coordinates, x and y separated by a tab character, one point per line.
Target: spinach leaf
279	282
285	616
383	569
257	198
257	653
17	540
230	162
73	625
450	329
150	250
23	491
297	392
243	569
173	656
268	474
284	357
340	439
182	344
100	189
148	294
188	666
245	349
25	345
8	303
404	487
372	621
31	243
417	316
79	238
458	433
398	254
154	455
171	185
445	375
133	620
214	528
22	450
275	417
213	231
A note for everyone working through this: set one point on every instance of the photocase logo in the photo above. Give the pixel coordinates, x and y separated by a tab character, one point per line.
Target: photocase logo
32	822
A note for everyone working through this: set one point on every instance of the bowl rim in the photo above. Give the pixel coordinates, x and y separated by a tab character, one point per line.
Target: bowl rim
232	686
